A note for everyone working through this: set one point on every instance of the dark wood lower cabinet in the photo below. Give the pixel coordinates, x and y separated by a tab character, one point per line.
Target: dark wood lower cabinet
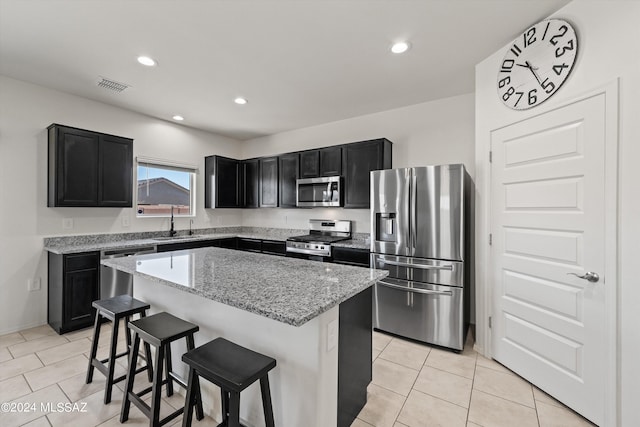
74	283
250	245
354	355
351	256
274	247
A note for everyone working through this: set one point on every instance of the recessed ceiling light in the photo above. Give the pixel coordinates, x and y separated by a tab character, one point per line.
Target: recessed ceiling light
240	100
178	118
145	60
400	47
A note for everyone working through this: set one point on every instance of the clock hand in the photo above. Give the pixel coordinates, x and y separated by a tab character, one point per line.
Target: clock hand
533	70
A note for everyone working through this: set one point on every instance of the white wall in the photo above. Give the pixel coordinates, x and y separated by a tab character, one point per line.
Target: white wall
609	35
437	132
25	112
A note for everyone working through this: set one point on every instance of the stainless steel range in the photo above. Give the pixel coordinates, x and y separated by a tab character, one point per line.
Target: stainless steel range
317	244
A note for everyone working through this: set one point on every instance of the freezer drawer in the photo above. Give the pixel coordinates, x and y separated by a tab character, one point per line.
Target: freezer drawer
421	311
449	273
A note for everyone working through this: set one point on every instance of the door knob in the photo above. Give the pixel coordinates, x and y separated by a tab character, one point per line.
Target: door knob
589	276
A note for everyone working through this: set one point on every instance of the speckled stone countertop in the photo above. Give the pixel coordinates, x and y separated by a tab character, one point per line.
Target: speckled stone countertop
290	290
99	242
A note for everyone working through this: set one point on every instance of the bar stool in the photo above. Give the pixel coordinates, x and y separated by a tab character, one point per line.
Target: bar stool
115	309
232	368
158	330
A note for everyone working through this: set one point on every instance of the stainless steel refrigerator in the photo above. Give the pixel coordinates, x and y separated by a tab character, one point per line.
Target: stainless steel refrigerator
421	231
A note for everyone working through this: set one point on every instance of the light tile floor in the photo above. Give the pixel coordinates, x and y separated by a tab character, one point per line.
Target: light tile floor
413	385
416	385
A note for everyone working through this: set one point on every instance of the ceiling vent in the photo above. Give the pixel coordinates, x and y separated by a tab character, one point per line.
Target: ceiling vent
112	85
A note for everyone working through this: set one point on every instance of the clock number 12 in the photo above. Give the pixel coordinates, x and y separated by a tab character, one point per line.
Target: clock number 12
529	36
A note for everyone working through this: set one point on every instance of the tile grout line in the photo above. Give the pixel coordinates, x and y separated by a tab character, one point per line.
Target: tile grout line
535	404
412	385
473	381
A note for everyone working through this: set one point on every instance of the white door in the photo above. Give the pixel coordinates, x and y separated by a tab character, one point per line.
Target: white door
547	224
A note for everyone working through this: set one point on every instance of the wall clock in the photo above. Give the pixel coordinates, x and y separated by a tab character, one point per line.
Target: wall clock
537	63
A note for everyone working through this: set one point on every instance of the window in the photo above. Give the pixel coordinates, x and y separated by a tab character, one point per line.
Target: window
163	185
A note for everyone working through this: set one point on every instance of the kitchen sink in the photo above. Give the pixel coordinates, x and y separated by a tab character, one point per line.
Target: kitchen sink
162	239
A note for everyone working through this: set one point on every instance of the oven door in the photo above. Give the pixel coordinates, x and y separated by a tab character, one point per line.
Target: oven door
316	192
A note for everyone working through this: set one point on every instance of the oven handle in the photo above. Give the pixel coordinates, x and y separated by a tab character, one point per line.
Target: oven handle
415	290
306	252
420	266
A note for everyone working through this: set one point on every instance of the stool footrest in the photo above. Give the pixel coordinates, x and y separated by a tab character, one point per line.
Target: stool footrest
178	379
146	409
117	356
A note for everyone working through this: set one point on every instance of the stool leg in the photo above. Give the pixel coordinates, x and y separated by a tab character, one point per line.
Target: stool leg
94	347
127	319
199	410
147	352
169	368
156	387
112	361
189	400
266	401
234	409
131	373
224	400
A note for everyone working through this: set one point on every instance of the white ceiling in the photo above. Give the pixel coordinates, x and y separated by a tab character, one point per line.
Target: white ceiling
298	62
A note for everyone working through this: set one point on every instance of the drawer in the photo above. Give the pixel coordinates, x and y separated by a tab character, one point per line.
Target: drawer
82	261
274	247
253	245
350	256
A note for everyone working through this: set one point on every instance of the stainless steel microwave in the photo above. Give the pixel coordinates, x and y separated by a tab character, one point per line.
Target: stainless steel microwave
319	192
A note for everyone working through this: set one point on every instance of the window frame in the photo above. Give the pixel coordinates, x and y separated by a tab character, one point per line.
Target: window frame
168	165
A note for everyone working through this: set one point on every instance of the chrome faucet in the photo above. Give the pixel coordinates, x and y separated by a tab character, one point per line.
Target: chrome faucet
190	228
172	231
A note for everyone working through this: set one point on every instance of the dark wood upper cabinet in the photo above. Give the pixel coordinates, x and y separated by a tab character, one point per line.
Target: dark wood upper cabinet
116	169
321	162
331	161
269	182
288	174
310	164
88	169
358	160
223	182
251	178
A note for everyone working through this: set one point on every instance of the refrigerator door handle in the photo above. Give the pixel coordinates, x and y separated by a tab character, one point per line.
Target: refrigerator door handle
413	209
414	290
420	266
408	230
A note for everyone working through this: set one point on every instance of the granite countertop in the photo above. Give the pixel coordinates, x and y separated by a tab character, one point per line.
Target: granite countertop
289	290
99	242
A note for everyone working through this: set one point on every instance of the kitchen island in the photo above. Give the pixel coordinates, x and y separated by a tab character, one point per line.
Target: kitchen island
313	318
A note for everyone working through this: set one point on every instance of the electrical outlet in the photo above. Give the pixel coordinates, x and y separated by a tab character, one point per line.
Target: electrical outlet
332	335
33	284
67	223
126	220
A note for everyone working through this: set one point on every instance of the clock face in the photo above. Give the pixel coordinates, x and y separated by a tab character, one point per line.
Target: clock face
537	63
